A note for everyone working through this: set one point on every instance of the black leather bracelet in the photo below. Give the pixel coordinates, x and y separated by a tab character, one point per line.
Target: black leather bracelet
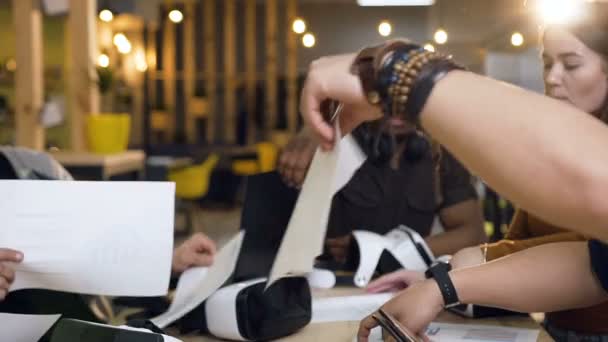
440	273
429	76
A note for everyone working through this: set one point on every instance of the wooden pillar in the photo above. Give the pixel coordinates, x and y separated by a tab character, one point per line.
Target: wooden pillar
169	83
137	115
292	69
229	72
84	94
270	107
210	64
189	69
29	82
250	68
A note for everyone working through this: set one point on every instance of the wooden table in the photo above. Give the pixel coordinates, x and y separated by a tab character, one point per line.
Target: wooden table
91	166
346	331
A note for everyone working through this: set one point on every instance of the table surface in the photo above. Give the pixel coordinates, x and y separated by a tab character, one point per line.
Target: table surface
70	158
346	331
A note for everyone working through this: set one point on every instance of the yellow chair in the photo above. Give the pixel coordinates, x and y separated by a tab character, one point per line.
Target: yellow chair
192	184
267	156
266	161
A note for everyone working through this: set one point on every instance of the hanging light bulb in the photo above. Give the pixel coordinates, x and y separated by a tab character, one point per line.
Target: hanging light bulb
517	39
385	28
106	15
441	37
299	26
309	40
103	60
176	16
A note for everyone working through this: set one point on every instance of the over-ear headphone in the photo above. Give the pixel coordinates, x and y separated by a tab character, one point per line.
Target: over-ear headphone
380	146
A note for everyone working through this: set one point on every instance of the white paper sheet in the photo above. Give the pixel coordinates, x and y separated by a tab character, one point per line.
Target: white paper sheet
347	309
25	328
305	234
196	284
443	332
103	238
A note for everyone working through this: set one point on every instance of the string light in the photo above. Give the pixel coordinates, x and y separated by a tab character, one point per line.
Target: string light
429	47
176	16
309	40
298	26
106	15
385	28
517	39
103	60
441	37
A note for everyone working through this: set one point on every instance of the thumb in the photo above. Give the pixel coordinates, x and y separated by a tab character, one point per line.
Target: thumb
398	279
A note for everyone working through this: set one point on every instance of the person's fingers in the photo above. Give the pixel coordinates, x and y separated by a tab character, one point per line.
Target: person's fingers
310	102
7	254
391	279
366	325
7	272
202	260
4	286
385	288
203	244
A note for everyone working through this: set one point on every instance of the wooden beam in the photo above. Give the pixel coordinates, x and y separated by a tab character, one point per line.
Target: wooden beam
250	68
292	68
84	94
189	69
169	73
229	72
29	83
210	64
271	67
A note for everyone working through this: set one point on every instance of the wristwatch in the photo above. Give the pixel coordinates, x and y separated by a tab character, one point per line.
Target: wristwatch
439	271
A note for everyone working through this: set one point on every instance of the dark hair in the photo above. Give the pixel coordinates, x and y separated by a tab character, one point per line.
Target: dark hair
592	30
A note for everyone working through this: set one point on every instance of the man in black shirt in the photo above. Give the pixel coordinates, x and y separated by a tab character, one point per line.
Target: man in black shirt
403	191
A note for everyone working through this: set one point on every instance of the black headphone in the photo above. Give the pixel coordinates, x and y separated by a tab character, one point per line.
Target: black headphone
380	146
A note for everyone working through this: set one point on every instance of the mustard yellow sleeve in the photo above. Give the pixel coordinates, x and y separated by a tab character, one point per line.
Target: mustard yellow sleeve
507	246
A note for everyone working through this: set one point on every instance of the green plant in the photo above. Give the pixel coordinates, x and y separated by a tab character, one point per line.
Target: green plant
105	79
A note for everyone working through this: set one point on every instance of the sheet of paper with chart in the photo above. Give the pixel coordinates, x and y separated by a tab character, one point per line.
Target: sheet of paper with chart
104	238
327	174
444	332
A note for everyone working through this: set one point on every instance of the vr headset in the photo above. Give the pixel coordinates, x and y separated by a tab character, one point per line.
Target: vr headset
246	312
374	254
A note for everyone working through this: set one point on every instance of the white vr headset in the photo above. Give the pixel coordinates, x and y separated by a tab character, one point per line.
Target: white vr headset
404	244
247	311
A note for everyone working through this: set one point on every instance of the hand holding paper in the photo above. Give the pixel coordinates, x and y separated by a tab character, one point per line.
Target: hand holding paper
303	240
7	272
196	284
105	238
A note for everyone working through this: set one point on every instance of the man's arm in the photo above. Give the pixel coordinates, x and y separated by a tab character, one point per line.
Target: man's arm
463	224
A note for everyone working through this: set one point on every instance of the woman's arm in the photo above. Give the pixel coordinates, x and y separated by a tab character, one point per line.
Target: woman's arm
547	157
